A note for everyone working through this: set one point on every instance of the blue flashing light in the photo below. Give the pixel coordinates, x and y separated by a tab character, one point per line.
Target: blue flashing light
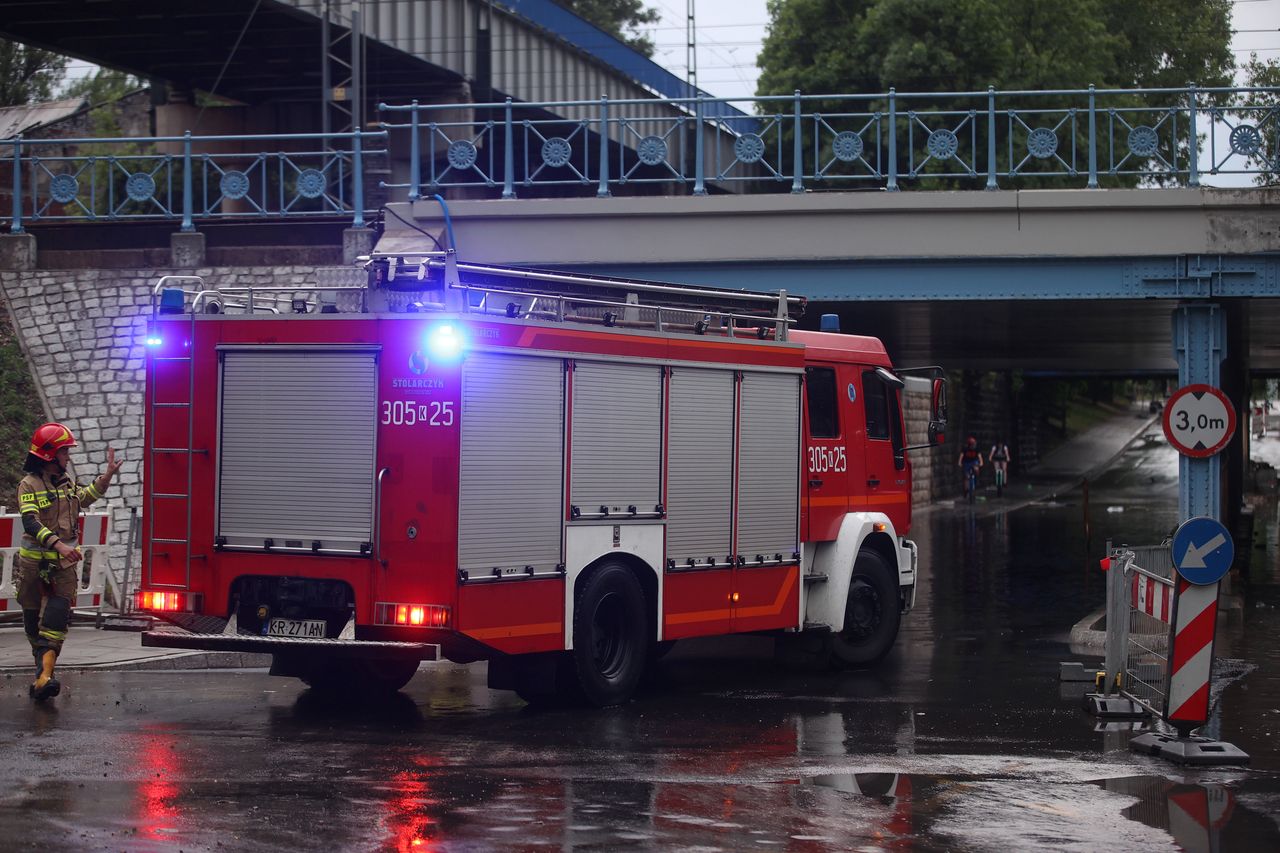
153	337
446	342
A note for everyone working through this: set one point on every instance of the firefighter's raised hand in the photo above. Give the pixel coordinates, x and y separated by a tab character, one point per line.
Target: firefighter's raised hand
113	465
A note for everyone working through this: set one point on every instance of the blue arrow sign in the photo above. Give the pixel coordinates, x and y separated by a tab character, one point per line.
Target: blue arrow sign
1202	550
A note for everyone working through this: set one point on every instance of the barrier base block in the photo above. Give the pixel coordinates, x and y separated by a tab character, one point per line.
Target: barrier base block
1114	707
1075	671
1199	751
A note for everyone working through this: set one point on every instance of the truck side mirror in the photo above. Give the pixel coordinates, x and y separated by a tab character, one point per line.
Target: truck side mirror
938	412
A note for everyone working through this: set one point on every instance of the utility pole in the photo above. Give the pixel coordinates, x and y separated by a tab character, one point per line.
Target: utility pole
691	49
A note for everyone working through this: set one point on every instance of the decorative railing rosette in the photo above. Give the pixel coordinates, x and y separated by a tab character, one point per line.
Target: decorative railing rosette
189	178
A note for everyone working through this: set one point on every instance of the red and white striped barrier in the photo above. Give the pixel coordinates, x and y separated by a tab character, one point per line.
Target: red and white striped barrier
1151	597
94	527
1191	658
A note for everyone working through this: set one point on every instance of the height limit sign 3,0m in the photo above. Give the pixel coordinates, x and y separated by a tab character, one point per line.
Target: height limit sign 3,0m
1199	420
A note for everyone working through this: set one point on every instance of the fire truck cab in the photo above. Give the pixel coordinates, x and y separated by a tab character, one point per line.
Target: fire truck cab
559	474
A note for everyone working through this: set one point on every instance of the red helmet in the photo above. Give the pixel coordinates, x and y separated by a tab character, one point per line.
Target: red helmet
49	439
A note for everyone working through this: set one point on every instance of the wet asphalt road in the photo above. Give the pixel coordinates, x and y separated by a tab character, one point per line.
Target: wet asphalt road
962	740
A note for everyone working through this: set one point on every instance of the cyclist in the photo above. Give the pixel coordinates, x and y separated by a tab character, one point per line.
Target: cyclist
999	458
970	463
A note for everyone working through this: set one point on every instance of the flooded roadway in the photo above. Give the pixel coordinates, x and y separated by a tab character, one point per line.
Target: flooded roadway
963	740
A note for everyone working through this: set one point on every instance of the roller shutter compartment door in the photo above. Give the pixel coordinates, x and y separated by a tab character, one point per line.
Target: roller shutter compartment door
617	438
769	465
511	502
699	466
296	449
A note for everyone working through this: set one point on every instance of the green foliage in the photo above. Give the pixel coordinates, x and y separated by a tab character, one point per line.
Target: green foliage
1265	115
27	74
617	17
869	46
103	86
962	45
20	411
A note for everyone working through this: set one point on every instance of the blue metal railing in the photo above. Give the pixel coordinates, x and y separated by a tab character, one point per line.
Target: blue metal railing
892	140
189	178
970	139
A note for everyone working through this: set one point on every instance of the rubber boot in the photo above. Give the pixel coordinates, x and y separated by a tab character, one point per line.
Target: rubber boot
46	686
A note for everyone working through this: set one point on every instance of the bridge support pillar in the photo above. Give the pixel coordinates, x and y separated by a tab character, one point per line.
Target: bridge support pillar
1199	345
356	242
17	251
186	250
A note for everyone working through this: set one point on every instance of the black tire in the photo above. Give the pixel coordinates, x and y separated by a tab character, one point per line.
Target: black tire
361	678
871	614
610	642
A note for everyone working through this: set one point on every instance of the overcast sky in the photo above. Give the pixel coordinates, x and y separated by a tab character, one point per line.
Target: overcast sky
730	33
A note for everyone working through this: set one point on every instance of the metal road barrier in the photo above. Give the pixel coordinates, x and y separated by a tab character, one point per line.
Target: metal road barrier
1144	592
189	178
94	530
1147	577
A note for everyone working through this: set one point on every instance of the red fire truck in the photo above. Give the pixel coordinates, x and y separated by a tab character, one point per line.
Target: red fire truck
559	474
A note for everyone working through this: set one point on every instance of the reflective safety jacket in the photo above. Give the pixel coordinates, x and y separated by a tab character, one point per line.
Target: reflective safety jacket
50	507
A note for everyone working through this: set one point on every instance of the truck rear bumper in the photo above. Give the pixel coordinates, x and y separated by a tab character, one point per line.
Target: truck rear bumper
336	648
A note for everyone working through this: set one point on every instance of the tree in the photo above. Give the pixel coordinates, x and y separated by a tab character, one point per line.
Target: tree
28	74
1264	114
617	18
104	85
955	45
868	46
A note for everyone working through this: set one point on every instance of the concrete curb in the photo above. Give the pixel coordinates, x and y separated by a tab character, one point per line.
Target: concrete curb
182	661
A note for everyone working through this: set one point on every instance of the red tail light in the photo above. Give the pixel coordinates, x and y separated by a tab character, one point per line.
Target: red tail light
165	602
412	615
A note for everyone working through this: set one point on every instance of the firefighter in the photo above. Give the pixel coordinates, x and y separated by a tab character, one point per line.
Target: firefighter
47	576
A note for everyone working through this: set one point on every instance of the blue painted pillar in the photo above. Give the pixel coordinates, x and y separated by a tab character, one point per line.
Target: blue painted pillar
415	155
187	202
1200	345
509	153
15	224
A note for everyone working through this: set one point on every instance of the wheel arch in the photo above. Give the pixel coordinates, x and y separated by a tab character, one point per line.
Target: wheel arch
825	602
644	573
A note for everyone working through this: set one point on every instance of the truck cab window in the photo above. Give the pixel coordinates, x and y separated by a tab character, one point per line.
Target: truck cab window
884	416
877	405
820	392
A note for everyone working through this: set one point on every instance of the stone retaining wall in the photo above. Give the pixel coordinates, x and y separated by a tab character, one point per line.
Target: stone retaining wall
83	332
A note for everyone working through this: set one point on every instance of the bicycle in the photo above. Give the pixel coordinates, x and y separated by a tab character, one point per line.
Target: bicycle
1000	475
971	482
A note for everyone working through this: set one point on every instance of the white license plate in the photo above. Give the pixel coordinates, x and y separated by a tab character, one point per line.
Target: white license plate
307	628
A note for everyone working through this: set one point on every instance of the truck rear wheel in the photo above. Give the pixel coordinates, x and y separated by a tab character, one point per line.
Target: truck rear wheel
609	637
871	614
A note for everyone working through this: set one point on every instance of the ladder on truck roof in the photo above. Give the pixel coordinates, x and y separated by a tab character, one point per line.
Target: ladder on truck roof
155	408
573	297
437	281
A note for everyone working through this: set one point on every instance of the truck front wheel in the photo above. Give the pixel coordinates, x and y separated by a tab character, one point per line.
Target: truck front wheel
609	637
871	614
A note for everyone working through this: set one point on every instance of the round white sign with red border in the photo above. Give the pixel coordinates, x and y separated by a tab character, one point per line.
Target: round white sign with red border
1199	420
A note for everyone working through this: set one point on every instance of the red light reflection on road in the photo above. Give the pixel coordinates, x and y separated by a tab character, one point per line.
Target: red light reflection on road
410	829
159	765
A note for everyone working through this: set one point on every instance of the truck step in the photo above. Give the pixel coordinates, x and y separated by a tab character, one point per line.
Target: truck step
819	627
815	578
385	649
